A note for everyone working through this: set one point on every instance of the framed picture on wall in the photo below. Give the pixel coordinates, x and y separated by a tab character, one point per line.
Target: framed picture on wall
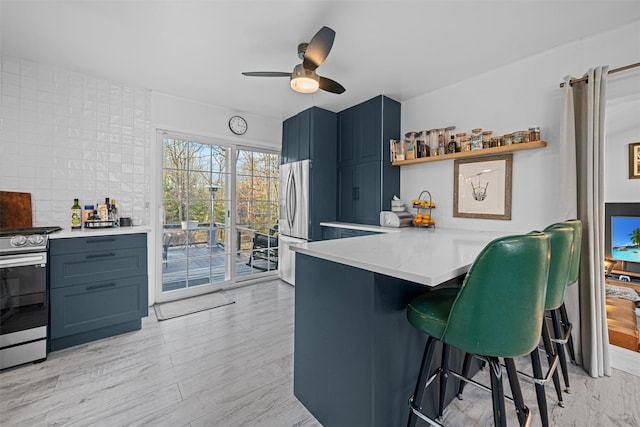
482	187
634	160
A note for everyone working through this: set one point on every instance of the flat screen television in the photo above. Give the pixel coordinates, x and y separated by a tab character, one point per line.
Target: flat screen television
622	235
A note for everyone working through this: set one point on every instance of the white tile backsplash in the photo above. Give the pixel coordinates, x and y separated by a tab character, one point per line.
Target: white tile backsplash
65	135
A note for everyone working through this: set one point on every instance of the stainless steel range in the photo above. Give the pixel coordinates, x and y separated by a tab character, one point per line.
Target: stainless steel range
23	295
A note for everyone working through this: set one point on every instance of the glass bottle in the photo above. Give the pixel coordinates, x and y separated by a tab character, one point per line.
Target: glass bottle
451	148
114	213
76	215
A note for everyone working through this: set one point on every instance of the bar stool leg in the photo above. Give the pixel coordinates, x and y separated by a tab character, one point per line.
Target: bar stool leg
466	365
423	376
540	395
497	392
566	323
444	376
551	354
521	409
557	330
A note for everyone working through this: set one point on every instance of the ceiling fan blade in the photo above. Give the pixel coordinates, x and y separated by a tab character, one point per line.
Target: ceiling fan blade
318	48
331	85
266	74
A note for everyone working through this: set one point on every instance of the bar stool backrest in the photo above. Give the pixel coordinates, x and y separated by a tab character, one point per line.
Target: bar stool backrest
561	242
574	271
500	306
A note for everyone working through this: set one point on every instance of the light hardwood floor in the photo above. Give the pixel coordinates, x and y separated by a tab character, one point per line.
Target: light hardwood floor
232	366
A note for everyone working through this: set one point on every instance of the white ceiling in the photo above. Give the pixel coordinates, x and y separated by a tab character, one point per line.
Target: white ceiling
197	49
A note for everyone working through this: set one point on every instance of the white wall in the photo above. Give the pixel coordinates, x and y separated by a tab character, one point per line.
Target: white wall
65	135
196	118
622	128
511	98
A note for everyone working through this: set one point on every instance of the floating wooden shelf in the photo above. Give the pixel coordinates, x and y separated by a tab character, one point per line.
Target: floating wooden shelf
475	153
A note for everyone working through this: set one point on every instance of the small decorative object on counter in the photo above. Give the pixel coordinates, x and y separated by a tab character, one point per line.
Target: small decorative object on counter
476	139
76	215
423	217
534	134
397	205
88	210
114	213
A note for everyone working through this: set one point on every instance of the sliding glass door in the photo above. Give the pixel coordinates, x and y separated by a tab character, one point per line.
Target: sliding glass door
220	213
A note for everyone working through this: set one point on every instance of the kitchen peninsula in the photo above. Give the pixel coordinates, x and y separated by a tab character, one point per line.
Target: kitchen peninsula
356	357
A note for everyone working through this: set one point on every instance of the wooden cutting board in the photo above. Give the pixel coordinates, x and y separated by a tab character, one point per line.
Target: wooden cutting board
15	209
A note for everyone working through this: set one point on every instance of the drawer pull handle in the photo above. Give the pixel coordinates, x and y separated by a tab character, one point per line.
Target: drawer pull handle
100	255
108	239
106	285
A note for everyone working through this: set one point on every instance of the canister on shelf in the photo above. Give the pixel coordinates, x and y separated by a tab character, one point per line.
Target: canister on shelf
534	134
459	137
424	136
476	139
517	137
494	141
465	143
506	139
486	137
433	141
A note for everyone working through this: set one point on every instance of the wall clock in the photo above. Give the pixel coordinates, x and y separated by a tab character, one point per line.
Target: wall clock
238	125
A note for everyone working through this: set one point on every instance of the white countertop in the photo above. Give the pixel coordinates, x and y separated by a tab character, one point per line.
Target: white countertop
426	256
89	232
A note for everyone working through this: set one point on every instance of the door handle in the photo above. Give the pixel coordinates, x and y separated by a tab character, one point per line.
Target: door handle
104	240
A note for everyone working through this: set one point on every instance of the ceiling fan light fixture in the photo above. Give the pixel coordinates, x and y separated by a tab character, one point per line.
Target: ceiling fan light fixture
303	80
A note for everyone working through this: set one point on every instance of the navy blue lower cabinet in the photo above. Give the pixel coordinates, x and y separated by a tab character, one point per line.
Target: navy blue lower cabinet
96	293
356	357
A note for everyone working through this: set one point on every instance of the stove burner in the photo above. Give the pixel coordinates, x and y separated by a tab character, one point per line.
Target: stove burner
8	232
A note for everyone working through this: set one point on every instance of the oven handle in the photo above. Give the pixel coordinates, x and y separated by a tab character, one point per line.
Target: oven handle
23	261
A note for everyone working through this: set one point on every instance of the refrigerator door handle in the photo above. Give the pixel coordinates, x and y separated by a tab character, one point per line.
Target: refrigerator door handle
293	196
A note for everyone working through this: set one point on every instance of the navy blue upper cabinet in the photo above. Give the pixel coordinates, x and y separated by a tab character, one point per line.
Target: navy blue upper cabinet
366	179
309	134
313	134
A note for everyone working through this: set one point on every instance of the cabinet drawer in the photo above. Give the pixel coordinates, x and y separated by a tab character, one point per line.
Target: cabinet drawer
347	232
81	268
97	305
97	243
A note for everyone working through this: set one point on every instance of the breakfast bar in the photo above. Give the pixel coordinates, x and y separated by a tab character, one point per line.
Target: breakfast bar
356	358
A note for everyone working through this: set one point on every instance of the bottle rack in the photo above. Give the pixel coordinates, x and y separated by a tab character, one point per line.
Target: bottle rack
424	209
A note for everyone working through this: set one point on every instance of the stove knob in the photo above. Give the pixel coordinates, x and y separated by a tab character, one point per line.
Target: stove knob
18	240
36	239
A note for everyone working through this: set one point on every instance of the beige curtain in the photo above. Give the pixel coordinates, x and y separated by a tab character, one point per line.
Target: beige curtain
582	160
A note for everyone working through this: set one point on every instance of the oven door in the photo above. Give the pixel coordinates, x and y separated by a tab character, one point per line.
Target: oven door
23	292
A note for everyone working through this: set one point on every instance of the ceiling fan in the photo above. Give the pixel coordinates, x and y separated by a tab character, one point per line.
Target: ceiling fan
304	77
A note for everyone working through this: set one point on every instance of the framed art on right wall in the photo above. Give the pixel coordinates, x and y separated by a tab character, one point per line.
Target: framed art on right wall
634	160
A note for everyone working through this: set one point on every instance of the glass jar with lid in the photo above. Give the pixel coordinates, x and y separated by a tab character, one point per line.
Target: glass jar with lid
534	134
517	137
465	143
506	139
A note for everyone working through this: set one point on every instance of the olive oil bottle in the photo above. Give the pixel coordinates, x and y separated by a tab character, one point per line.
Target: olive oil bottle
76	215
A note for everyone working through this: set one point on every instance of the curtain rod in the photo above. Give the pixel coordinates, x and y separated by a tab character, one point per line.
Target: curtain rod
615	70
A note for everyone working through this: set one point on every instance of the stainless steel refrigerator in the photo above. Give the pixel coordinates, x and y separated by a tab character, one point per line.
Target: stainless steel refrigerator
293	227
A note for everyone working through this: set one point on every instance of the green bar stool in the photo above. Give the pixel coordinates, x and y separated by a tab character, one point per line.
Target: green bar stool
560	320
496	313
561	241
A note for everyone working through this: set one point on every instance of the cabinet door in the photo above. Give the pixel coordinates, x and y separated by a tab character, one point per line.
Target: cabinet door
304	134
329	233
368	197
82	308
290	148
369	119
346	194
346	142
